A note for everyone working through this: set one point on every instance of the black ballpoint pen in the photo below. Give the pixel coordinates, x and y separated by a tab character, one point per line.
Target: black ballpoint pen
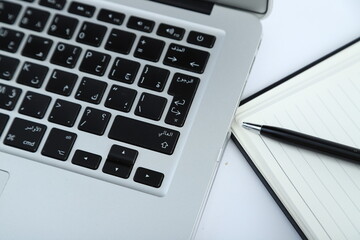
306	141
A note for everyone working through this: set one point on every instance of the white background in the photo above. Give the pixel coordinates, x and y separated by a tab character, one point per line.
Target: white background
295	34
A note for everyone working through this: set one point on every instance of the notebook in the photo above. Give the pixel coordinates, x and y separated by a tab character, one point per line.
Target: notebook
105	108
320	192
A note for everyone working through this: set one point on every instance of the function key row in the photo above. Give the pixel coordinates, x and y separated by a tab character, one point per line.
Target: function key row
63	26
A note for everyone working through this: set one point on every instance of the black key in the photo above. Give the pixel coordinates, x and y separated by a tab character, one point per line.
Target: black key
186	58
94	121
120	98
59	144
183	85
183	88
124	70
34	19
109	16
154	78
9	96
120	41
32	74
63	26
141	24
37	47
91	90
95	63
3	121
61	82
34	105
86	159
148	177
66	55
64	113
10	40
25	135
132	131
55	4
91	34
170	31
8	67
149	49
9	12
116	169
150	106
201	39
82	9
122	155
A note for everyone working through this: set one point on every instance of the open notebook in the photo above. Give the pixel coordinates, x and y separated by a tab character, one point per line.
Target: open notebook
320	192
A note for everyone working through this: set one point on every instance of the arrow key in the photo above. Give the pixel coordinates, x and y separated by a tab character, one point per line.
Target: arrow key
148	177
116	169
86	159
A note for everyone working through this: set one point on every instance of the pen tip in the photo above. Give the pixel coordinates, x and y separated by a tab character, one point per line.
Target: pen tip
251	126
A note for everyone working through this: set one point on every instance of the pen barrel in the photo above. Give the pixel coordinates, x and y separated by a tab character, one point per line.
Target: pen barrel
312	143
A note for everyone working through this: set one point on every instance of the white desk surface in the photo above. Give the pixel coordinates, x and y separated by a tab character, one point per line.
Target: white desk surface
295	34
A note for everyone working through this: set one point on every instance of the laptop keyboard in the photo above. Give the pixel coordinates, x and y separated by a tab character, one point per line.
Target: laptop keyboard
72	72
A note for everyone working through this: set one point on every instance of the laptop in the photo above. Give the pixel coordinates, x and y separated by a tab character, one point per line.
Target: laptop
114	114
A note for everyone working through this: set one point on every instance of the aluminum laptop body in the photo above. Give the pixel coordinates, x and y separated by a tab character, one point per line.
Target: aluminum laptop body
160	188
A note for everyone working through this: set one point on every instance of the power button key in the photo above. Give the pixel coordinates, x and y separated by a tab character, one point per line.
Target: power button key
201	39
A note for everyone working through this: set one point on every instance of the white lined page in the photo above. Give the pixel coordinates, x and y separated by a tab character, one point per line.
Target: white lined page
325	102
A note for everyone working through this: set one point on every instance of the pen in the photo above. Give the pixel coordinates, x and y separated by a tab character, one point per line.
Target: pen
306	141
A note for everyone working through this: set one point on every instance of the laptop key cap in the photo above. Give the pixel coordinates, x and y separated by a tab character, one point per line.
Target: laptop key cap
3	121
32	74
59	143
170	31
61	82
111	17
64	113
94	121
34	105
201	39
55	4
34	19
120	98
154	78
8	67
183	88
132	131
37	47
149	49
186	58
91	34
150	106
86	159
95	63
148	177
9	12
10	40
66	55
9	96
141	24
120	41
63	26
25	135
116	169
82	9
124	70
91	90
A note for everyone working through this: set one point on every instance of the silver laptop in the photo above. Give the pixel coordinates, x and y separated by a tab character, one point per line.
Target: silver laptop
114	113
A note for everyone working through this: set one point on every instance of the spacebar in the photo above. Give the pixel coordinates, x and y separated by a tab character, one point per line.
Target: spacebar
144	135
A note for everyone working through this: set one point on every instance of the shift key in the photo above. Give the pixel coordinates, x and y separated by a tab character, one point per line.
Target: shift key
144	135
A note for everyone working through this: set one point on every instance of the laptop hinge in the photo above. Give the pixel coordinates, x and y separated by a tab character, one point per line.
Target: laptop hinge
197	6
